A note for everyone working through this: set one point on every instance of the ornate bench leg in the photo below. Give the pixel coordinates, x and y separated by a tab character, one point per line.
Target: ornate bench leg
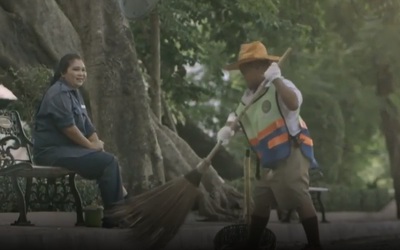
28	190
22	220
322	208
78	201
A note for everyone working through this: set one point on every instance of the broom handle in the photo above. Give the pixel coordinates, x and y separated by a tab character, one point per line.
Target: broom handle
203	165
247	167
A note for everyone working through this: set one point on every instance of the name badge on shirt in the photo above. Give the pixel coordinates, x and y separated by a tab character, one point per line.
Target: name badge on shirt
83	106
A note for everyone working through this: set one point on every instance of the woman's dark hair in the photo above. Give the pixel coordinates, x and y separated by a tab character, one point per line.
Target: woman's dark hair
63	65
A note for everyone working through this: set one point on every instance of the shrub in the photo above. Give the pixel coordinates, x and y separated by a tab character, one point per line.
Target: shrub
28	86
344	198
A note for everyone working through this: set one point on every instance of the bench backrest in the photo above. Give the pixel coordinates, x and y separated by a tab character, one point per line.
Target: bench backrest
14	144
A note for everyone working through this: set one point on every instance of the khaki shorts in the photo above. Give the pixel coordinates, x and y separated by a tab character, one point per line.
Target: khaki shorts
286	187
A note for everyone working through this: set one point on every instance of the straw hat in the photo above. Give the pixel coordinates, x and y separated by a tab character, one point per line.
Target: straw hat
249	52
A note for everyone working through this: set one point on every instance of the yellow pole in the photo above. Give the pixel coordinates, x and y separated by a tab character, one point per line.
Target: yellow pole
247	186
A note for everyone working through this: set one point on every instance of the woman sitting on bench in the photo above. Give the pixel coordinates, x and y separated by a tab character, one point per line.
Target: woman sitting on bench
64	136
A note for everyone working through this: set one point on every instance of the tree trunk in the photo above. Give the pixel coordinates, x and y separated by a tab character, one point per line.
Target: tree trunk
390	126
167	117
34	32
219	199
155	87
202	144
40	32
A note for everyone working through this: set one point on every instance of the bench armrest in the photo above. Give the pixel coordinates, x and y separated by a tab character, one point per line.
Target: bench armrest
7	160
26	139
6	139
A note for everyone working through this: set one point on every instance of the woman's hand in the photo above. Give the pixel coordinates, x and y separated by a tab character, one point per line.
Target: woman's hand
97	145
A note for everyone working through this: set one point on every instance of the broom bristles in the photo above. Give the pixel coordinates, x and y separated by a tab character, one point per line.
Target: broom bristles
156	215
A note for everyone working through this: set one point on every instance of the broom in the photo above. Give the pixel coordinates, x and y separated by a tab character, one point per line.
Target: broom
156	215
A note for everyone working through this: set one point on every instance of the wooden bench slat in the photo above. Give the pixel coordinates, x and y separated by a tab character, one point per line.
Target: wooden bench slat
11	170
44	172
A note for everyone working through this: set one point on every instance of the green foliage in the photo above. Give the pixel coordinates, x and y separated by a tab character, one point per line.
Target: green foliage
343	198
207	32
367	35
336	47
89	192
28	86
326	122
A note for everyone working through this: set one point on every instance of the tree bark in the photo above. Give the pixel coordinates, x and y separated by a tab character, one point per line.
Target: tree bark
28	36
167	117
390	126
218	200
155	87
202	144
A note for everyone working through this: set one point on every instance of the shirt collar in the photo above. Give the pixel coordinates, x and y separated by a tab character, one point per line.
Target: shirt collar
65	87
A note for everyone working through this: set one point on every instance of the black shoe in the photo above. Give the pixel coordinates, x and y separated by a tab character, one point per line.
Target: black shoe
256	230
109	223
238	246
312	247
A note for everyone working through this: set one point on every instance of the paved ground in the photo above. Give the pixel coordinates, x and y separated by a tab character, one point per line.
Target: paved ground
375	243
346	230
371	243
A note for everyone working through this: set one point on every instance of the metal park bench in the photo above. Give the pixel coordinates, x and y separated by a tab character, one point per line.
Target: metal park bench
51	185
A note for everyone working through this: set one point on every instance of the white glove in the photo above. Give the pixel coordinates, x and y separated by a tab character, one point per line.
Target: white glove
225	134
272	73
231	117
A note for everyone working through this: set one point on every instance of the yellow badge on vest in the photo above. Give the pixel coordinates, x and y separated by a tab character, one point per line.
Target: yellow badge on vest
266	106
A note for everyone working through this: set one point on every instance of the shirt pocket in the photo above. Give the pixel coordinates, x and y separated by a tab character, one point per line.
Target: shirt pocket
79	119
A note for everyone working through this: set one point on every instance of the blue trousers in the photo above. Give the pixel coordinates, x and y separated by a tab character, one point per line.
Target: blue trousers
100	166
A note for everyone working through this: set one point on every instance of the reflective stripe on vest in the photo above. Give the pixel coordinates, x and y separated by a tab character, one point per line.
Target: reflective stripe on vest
271	140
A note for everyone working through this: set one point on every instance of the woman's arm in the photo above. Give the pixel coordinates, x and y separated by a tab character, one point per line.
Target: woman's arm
94	137
60	108
73	133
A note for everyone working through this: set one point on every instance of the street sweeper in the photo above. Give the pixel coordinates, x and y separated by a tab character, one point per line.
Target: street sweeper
281	140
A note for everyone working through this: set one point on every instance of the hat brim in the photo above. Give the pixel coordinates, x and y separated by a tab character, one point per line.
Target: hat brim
235	65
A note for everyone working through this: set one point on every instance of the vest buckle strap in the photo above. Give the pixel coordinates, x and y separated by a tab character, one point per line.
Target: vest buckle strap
301	139
297	140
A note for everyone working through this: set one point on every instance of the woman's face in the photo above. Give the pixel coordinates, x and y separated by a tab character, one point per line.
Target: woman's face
76	73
